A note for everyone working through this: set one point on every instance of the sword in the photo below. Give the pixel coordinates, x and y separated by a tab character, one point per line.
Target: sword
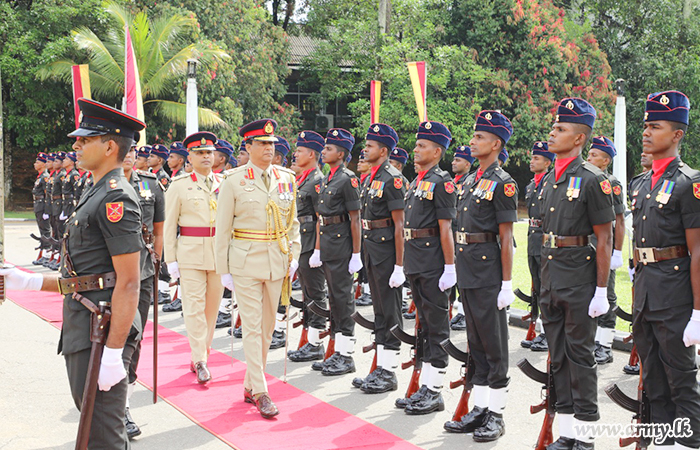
156	264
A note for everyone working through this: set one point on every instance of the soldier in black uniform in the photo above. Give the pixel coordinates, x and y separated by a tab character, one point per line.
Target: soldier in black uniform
339	245
70	180
429	260
142	154
177	159
666	211
309	147
576	202
103	246
58	217
152	202
486	210
84	182
39	196
601	155
540	163
382	233
156	160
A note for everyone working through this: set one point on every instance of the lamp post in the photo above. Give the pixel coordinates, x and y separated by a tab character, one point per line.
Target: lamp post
620	161
192	118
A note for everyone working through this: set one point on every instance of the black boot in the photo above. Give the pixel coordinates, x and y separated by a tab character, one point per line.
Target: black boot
409	316
385	381
223	320
279	339
631	370
417	396
471	421
238	332
603	354
583	445
341	365
494	427
364	300
359	381
319	365
132	430
308	352
175	305
296	285
563	443
431	401
460	324
539	344
163	297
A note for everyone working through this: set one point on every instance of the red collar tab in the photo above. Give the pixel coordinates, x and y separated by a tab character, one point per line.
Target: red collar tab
302	177
374	172
479	173
658	167
560	166
421	175
332	172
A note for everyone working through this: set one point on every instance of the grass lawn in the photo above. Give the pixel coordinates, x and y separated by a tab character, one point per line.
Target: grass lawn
521	275
19	215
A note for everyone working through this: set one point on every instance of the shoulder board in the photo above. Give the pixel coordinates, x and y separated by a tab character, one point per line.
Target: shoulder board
143	173
182	176
593	169
113	184
613	180
688	171
349	172
502	174
638	176
393	171
286	169
229	172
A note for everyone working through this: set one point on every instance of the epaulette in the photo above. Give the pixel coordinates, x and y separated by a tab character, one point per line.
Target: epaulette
113	184
182	176
593	169
443	173
286	169
393	171
503	175
143	173
349	172
229	172
688	171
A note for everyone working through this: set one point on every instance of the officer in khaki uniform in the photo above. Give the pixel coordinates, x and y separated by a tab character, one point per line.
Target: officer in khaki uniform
190	204
257	249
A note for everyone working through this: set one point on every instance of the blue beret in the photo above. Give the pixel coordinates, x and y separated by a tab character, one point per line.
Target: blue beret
41	156
312	140
400	155
576	110
233	161
435	132
60	155
464	152
341	138
604	144
98	119
242	148
51	157
143	152
669	105
542	148
201	140
224	147
259	130
160	150
282	146
72	156
178	149
362	155
382	133
495	123
503	156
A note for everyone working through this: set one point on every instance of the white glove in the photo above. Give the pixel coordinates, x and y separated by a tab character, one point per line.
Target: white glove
691	335
397	277
62	216
515	249
18	280
45	216
355	263
111	368
448	278
293	266
506	295
315	259
631	272
616	260
174	270
599	304
227	281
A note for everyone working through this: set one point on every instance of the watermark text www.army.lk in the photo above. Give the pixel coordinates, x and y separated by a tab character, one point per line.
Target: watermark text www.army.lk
658	432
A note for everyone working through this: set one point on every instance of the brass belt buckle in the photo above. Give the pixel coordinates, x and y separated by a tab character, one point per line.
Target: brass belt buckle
646	255
407	234
461	237
365	224
321	221
550	240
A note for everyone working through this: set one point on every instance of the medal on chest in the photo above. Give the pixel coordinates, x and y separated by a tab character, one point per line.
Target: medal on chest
664	194
573	190
145	190
376	189
286	191
425	189
485	188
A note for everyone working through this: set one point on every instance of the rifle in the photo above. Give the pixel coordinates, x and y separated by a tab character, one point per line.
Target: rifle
304	339
325	313
467	370
365	323
548	404
99	326
640	408
532	315
416	343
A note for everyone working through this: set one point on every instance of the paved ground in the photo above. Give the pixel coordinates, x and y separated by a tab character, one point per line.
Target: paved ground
38	413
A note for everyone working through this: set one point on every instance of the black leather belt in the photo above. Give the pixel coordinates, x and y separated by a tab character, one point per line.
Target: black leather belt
330	220
85	283
417	233
554	241
376	224
306	219
474	238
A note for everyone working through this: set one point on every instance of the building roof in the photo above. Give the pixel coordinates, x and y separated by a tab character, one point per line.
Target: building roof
299	48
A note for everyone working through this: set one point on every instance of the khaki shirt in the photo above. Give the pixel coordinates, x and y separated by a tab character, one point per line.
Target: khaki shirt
242	206
189	203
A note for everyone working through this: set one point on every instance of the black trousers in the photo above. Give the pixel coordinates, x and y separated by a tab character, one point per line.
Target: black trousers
487	333
312	287
340	295
571	338
145	298
608	319
44	228
669	370
534	263
386	302
108	431
432	308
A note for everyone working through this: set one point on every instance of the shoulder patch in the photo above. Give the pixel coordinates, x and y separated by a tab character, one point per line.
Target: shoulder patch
398	183
318	188
354	182
509	189
449	187
605	187
115	211
696	190
617	190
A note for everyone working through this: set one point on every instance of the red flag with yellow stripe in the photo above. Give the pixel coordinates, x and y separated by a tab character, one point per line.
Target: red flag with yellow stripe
375	98
81	87
418	75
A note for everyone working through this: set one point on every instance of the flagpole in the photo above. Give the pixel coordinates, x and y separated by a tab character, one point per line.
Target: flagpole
192	123
2	198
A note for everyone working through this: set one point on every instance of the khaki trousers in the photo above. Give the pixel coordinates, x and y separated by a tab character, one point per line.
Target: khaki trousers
201	296
257	304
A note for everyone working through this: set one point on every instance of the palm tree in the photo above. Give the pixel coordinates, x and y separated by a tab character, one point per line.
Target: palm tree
161	52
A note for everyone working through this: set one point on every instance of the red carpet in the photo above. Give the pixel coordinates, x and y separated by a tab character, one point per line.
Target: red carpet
219	408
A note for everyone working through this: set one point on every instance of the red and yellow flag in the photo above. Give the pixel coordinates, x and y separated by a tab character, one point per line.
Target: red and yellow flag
81	87
133	102
375	98
418	80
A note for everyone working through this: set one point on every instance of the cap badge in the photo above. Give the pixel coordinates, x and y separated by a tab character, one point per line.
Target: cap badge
428	125
570	105
117	131
556	119
203	141
646	115
269	128
664	100
487	116
335	132
302	135
376	128
539	144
